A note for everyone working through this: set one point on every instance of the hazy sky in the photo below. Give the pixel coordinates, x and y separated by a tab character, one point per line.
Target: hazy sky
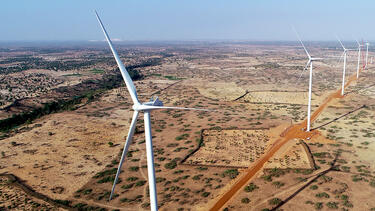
187	19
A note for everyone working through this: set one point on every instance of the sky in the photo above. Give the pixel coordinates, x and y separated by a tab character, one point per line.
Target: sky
163	20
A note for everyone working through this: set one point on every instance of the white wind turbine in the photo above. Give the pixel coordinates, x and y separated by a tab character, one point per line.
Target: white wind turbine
359	57
138	107
344	68
309	62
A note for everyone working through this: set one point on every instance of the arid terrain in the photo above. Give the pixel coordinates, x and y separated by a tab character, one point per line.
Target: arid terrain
65	114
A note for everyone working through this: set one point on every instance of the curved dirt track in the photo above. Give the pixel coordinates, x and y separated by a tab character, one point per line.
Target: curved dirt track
294	131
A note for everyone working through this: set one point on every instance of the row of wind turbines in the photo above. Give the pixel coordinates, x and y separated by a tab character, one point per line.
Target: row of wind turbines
344	56
147	107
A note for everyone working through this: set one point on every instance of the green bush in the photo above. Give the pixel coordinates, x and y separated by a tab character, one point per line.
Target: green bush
251	187
274	201
245	200
322	195
205	194
313	187
332	205
128	186
134	168
232	173
171	165
278	184
318	205
140	183
132	179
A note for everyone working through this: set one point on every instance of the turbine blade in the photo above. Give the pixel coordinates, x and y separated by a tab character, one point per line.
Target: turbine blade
150	107
125	150
124	73
340	42
295	31
358	43
307	64
342	56
305	68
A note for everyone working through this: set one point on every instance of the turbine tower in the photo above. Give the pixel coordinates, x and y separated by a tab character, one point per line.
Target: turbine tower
344	68
309	62
359	57
146	108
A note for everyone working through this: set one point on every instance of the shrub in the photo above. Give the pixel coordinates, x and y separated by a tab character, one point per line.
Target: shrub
278	184
132	179
140	183
313	187
322	195
87	191
134	168
275	201
251	187
106	172
318	205
197	177
332	205
182	137
232	173
171	165
205	194
202	168
128	186
344	197
347	204
245	200
108	179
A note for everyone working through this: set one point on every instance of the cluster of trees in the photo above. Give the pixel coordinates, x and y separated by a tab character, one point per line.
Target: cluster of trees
108	82
47	108
29	62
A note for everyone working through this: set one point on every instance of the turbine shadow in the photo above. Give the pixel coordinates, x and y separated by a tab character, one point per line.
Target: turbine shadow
332	168
354	91
337	118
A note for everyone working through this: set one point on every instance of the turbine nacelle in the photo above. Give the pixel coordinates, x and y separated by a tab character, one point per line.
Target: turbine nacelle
151	105
155	102
316	59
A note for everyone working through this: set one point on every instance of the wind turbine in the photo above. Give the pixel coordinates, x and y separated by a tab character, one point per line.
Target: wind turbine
344	68
359	57
309	62
146	108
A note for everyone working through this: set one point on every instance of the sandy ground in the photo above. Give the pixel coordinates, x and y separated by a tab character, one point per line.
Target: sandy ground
62	151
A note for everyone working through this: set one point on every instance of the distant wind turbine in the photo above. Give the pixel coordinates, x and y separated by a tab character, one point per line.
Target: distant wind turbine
309	62
359	57
344	68
138	107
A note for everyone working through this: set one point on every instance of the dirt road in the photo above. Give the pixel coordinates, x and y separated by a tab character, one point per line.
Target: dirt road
295	131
